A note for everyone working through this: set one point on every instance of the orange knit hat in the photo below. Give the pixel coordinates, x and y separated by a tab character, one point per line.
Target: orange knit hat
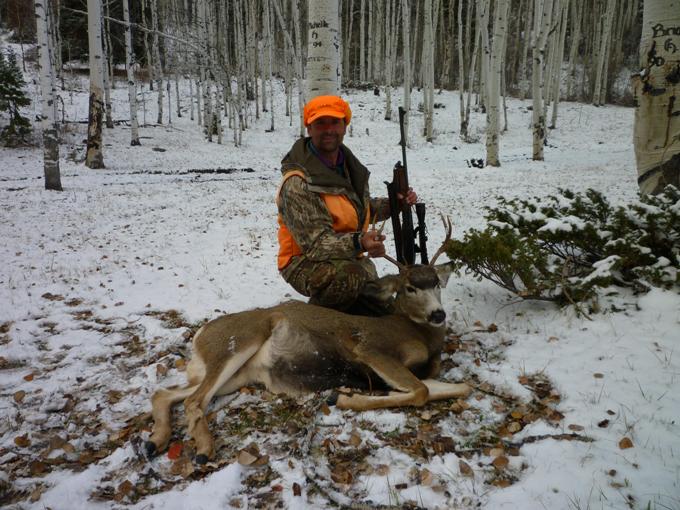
331	106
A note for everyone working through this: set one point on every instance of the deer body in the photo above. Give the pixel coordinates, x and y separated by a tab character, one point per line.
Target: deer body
297	348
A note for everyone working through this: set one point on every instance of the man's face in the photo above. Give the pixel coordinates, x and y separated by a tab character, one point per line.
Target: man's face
327	133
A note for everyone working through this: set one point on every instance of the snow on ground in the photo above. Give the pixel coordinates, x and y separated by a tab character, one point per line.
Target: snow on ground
102	285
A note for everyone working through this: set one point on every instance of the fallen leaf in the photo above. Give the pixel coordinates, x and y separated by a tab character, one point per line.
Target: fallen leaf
574	427
245	458
37	493
496	452
492	328
625	443
354	439
342	475
29	377
426	477
325	409
297	490
514	427
603	424
277	488
499	482
500	462
19	396
175	450
523	380
598	375
22	441
465	469
180	364
37	468
517	415
610	412
611	472
400	486
382	469
161	369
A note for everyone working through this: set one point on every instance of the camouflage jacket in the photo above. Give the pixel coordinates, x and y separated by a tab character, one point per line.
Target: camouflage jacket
304	212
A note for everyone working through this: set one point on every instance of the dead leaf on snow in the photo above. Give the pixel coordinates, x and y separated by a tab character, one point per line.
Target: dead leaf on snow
161	369
598	375
426	477
575	427
603	424
297	490
625	443
354	439
500	462
22	441
250	456
465	469
123	490
29	377
341	474
19	396
382	469
514	427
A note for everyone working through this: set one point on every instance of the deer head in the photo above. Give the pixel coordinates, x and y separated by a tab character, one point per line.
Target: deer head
416	289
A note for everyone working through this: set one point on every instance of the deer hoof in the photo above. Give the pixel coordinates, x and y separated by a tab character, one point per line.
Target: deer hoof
150	448
332	399
201	459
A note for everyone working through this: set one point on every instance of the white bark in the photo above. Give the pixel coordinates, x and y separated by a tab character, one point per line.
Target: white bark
108	71
47	97
362	48
428	69
406	24
130	65
157	60
657	126
542	18
500	29
95	157
323	43
603	60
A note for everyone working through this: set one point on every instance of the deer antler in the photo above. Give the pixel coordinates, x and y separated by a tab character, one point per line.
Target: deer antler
401	266
447	225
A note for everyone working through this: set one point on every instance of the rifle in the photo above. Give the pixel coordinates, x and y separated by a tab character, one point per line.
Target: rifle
404	233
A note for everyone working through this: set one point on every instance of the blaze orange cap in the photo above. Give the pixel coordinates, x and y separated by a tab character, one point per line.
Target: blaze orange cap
331	106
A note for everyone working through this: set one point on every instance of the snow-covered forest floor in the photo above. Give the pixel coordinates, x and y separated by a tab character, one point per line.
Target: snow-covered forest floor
102	285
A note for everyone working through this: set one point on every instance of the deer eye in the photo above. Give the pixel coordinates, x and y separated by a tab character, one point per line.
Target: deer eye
410	289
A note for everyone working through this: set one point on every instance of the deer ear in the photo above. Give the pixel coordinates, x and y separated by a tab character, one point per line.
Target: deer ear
383	288
444	271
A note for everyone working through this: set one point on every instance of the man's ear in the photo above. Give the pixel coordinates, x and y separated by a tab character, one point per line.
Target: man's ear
443	272
383	288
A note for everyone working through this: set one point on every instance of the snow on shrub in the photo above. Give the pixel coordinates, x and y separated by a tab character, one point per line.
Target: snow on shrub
563	248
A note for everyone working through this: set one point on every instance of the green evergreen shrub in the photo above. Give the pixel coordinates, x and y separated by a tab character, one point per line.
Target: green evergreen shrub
563	248
12	99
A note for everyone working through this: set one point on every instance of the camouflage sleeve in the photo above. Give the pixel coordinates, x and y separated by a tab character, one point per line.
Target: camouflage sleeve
305	215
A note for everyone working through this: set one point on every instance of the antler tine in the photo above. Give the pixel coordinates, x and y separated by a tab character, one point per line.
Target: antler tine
401	266
447	225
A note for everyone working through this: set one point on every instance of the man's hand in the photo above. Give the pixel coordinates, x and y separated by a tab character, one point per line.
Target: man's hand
411	197
372	242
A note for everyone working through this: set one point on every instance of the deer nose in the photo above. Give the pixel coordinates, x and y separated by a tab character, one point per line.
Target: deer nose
437	317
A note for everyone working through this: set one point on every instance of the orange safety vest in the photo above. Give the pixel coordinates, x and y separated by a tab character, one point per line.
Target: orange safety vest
341	209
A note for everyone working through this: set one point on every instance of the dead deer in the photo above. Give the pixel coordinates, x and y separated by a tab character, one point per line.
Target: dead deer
296	348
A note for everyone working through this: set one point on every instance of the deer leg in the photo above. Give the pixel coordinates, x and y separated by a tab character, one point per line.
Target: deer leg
161	403
411	390
196	403
438	390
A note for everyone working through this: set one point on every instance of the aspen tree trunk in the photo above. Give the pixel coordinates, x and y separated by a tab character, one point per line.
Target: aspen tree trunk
523	83
497	61
602	61
147	49
576	21
130	64
542	18
406	25
47	96
390	17
559	58
347	41
362	47
54	27
656	133
323	43
369	41
157	60
461	75
95	157
191	98
108	77
428	69
267	25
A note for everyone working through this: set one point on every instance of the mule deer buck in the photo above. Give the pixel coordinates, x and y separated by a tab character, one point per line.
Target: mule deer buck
297	348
